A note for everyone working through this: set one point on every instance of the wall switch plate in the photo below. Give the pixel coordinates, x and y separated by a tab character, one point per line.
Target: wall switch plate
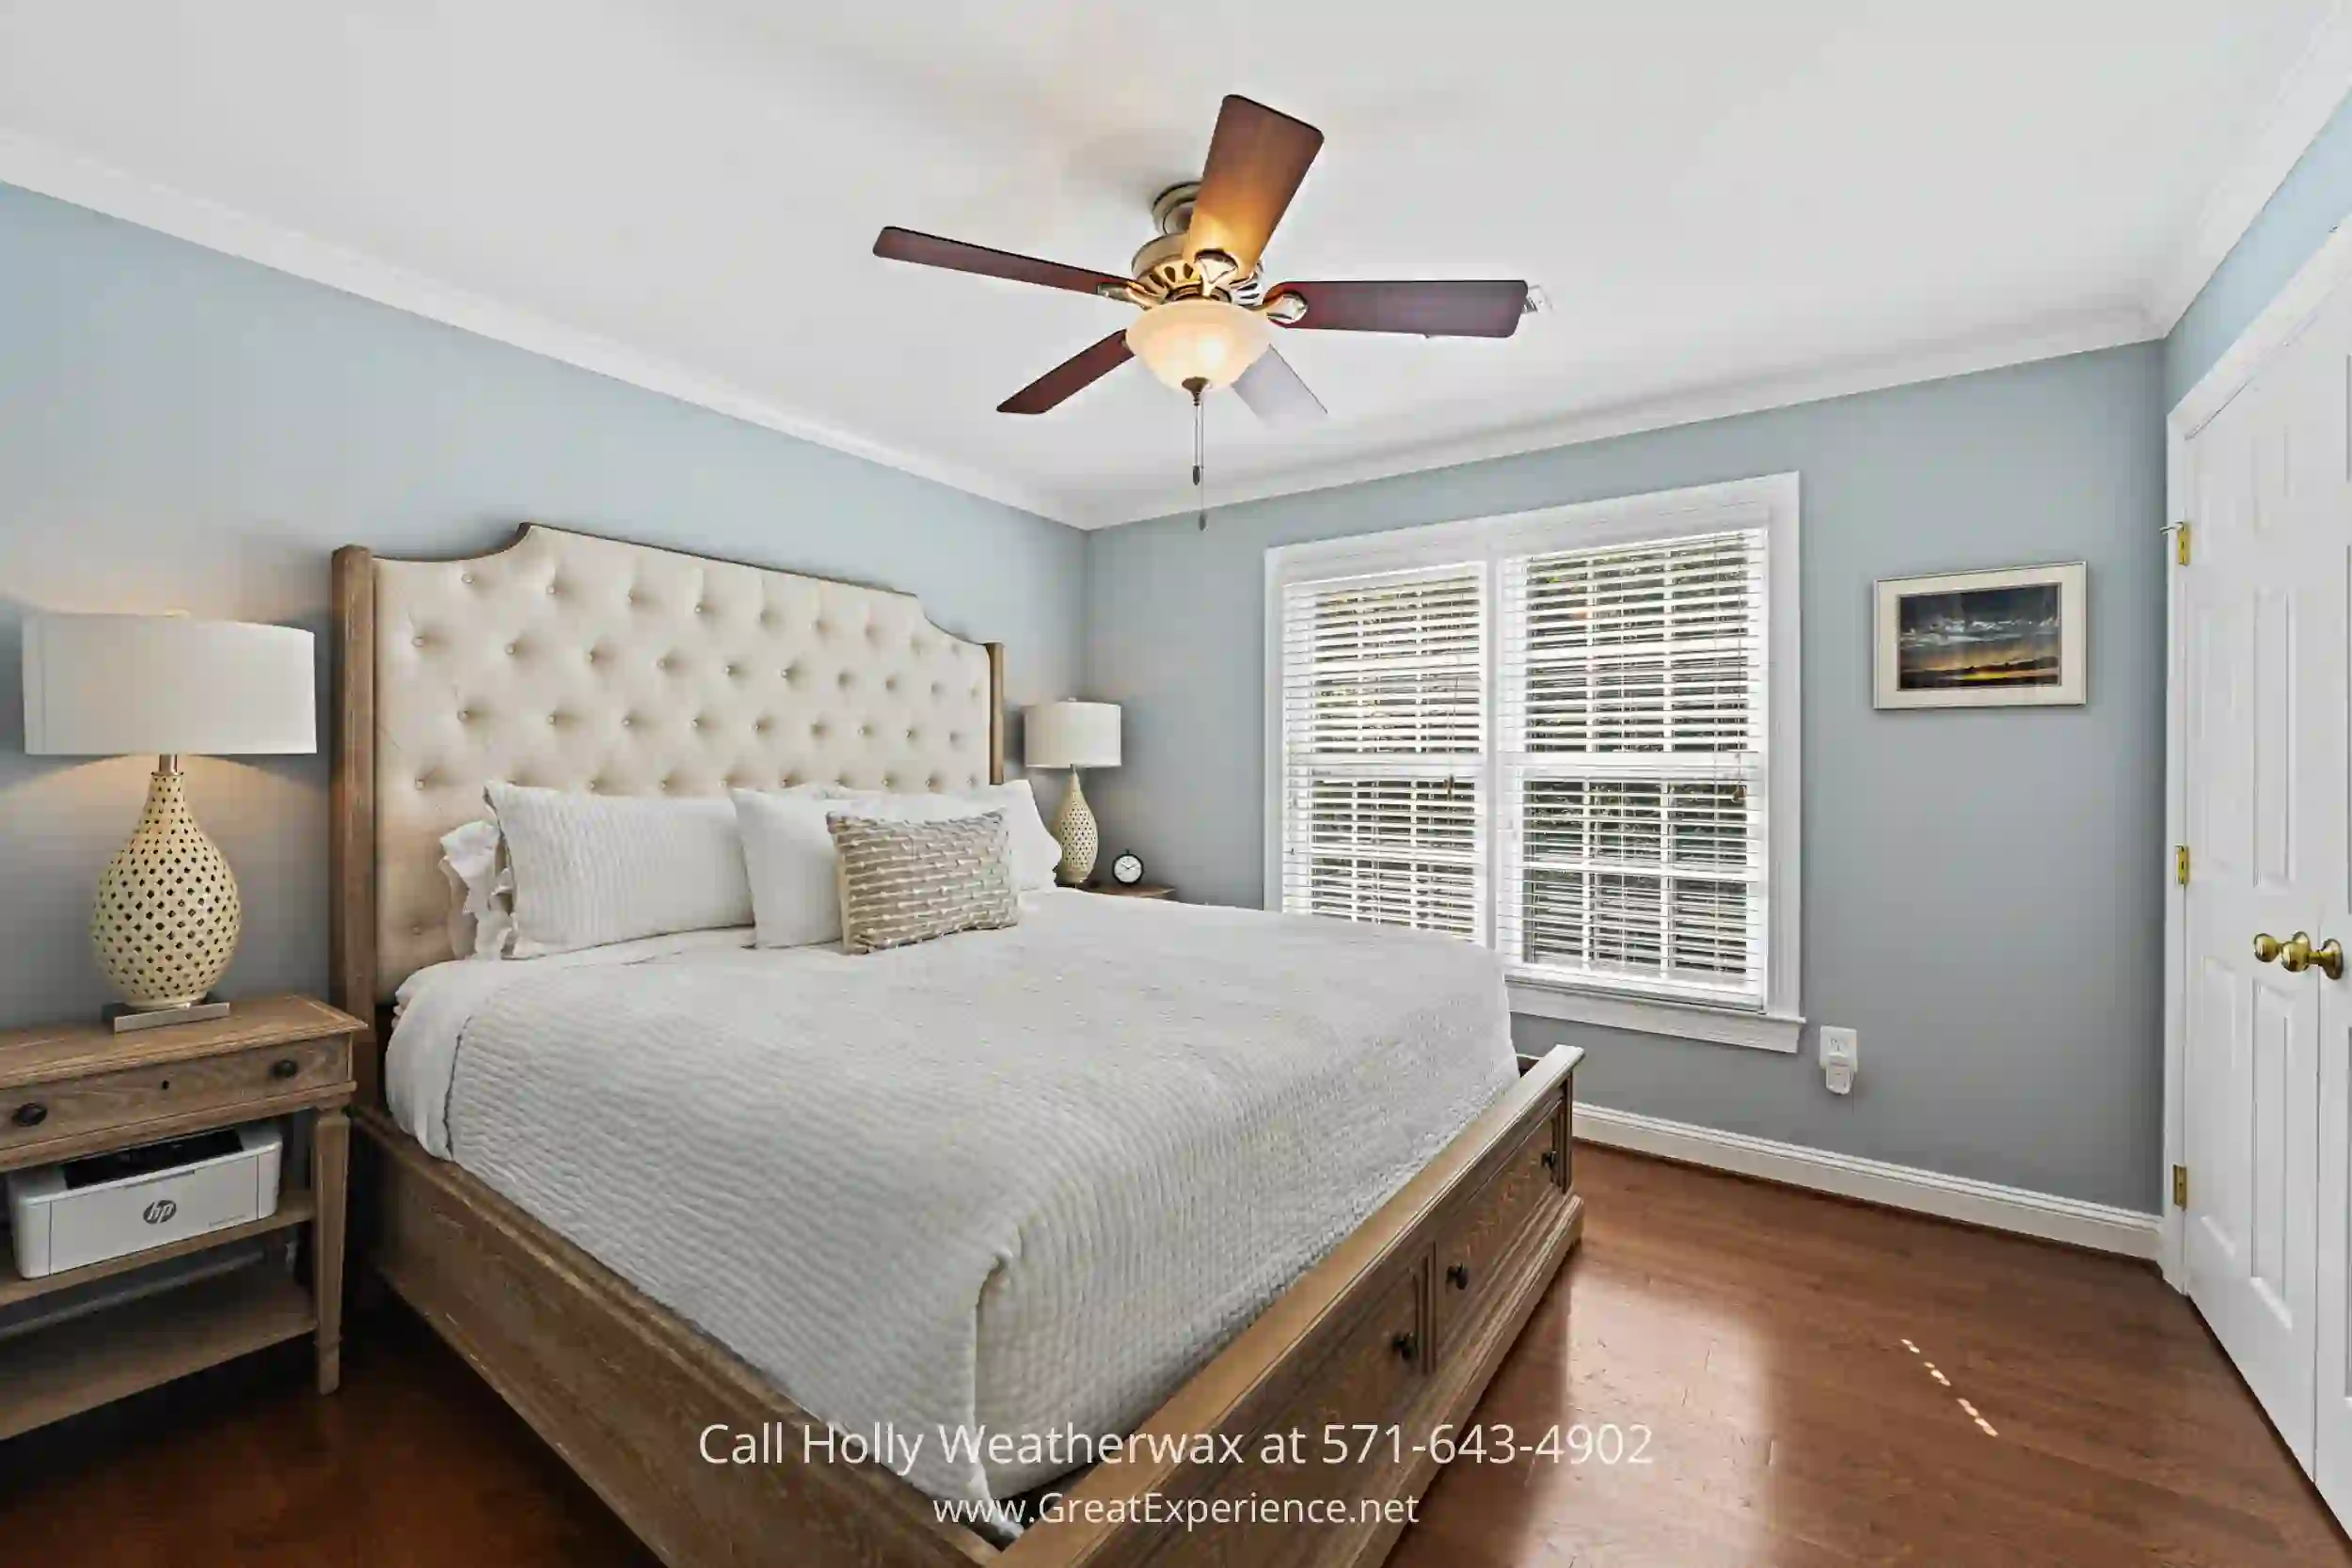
1841	1057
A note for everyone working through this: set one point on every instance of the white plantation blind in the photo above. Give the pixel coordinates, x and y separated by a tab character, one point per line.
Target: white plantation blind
1632	766
1568	735
1383	732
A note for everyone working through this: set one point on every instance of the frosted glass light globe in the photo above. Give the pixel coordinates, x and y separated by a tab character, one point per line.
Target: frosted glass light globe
1207	339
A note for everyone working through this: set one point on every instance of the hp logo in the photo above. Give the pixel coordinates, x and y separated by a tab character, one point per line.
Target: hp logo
159	1211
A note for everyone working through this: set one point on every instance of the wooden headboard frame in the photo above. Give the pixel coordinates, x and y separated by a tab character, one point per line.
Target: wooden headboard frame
357	964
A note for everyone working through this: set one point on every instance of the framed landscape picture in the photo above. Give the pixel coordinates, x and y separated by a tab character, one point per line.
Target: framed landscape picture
2008	639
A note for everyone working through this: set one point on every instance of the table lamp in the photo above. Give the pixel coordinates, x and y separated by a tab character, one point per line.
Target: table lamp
167	918
1073	736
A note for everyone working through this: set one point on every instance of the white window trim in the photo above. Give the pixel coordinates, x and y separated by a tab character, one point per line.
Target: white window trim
1770	501
1765	1031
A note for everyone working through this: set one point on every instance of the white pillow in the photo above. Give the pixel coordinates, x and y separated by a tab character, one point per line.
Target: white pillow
591	869
1034	850
481	913
790	856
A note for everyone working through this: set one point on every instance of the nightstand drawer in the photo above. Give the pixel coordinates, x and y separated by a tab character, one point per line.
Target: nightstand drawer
123	1102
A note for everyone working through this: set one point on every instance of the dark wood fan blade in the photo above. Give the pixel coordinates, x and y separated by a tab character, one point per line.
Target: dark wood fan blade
930	250
1488	310
1256	160
1273	391
1075	374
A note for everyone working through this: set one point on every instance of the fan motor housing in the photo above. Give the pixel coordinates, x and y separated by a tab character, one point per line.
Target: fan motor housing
1161	269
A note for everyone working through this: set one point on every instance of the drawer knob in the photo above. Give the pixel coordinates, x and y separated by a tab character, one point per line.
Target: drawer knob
285	1067
1551	1159
1407	1345
1458	1276
31	1115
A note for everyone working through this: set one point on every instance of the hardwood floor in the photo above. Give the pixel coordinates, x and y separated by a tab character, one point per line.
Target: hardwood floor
1783	1351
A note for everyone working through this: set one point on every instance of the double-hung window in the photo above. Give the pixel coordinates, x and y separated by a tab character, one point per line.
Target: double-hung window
1569	735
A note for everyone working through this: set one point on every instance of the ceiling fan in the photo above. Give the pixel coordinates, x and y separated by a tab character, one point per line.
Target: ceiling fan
1209	318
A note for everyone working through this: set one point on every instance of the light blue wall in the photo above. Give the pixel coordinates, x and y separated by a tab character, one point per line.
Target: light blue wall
181	430
2300	215
1983	890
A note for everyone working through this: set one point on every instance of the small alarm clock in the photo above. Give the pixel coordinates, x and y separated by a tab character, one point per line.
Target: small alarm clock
1127	870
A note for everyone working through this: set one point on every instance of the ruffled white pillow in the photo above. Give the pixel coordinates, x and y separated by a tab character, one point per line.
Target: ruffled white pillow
482	891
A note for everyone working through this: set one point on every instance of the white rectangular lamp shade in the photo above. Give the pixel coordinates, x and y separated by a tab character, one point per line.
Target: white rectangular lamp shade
1070	734
123	684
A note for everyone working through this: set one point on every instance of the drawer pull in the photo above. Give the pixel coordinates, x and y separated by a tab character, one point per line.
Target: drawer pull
1458	1276
1407	1345
285	1067
30	1114
1551	1159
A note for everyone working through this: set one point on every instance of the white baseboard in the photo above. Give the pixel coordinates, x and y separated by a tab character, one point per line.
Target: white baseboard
1954	1197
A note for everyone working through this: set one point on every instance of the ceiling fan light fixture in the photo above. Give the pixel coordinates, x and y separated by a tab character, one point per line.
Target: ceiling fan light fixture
1209	318
1204	339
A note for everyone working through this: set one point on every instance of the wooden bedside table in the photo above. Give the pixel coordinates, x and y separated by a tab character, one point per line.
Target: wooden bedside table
83	1090
1140	890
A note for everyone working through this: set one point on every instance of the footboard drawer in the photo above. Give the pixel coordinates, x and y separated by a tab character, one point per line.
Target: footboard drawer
1372	1374
1476	1237
1335	1450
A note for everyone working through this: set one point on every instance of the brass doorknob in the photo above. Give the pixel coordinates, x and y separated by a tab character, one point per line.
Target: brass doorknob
2297	953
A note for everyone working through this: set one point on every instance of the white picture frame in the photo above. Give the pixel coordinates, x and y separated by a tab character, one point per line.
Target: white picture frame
2018	636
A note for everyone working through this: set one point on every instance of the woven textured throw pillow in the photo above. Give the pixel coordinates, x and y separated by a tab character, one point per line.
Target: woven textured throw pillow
911	882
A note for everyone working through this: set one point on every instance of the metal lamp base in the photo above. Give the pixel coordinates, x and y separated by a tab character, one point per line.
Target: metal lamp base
124	1019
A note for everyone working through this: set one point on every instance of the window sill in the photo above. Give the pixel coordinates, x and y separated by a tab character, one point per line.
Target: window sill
1722	1026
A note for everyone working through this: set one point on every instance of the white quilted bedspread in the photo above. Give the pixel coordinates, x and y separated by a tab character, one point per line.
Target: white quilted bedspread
1023	1180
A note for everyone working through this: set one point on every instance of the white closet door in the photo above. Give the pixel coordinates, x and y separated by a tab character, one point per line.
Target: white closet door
2264	622
2319	384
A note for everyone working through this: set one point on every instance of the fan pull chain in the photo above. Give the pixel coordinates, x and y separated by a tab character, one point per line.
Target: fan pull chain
1200	451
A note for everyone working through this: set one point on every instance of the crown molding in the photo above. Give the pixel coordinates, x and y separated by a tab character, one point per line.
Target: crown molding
2306	101
2075	335
50	171
2313	283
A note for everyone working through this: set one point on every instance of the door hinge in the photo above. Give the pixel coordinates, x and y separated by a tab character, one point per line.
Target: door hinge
2180	863
2180	542
2180	1186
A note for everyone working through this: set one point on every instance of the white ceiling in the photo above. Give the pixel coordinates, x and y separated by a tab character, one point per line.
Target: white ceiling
1725	203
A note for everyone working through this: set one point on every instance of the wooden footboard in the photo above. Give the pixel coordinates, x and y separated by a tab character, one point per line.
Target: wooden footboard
623	1388
1401	1326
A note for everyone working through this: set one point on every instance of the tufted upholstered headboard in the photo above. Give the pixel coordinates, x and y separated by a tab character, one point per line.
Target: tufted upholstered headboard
578	662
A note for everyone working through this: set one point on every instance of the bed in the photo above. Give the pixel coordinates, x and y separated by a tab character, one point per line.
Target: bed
1366	1207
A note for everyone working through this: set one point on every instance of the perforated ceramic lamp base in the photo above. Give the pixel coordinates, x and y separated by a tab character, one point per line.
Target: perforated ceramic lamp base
167	917
1074	828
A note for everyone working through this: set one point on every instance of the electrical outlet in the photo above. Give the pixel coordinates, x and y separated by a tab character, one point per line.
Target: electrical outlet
1841	1057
